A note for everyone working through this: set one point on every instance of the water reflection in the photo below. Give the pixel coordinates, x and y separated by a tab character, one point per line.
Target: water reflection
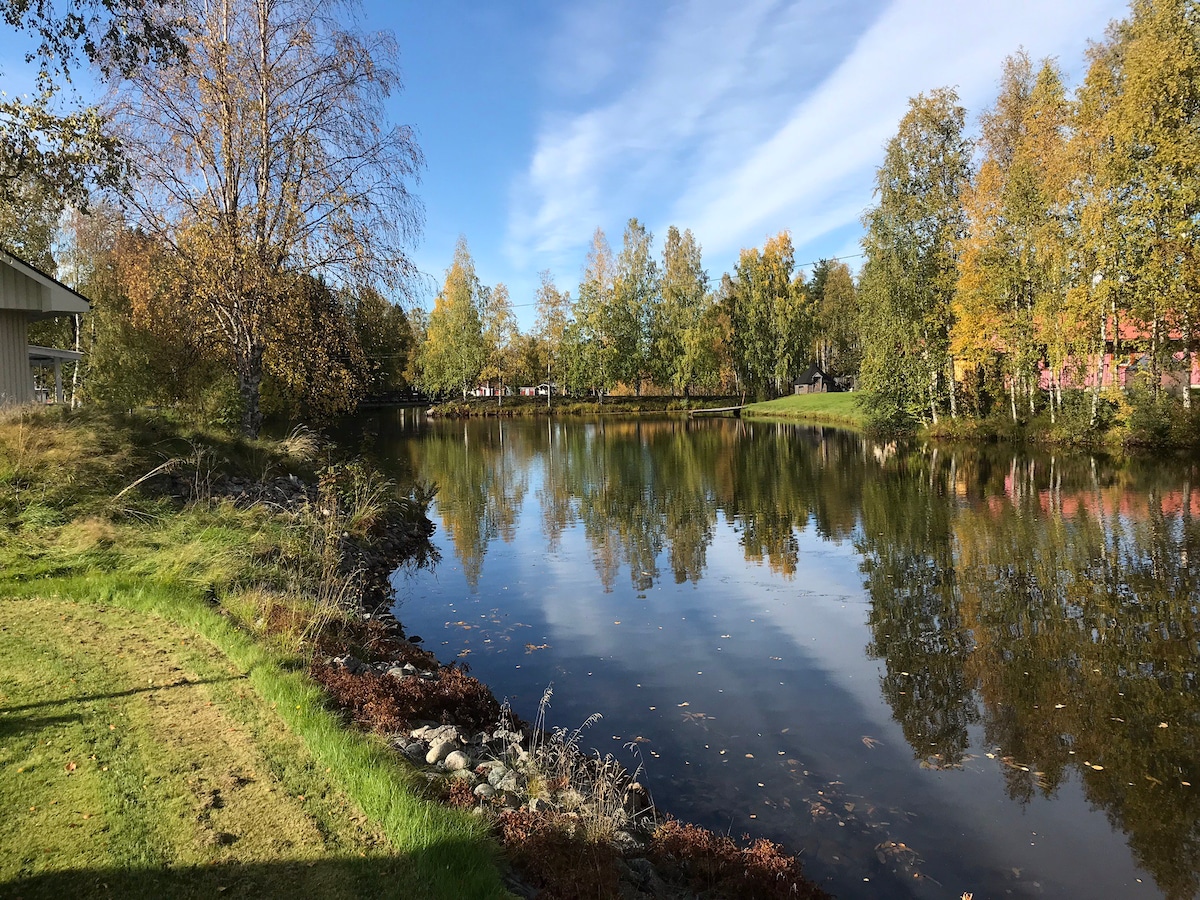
1033	613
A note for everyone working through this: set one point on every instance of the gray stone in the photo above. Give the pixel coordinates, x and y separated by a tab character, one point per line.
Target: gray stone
438	751
398	673
415	751
484	791
510	781
465	775
351	664
444	733
625	842
496	774
456	761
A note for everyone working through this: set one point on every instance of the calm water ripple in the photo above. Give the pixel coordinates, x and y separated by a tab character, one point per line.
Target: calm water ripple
935	671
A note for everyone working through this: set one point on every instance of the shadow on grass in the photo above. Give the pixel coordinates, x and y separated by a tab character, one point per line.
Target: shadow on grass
393	876
11	725
88	698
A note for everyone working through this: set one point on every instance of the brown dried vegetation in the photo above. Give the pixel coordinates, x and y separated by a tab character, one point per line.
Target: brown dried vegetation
383	703
713	863
555	857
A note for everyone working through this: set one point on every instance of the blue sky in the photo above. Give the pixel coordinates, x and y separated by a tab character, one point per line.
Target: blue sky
542	121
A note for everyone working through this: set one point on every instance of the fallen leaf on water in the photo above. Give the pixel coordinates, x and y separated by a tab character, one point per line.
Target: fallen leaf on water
870	743
683	704
1059	705
1163	725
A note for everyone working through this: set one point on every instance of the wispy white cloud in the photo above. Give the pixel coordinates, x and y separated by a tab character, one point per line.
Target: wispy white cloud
746	118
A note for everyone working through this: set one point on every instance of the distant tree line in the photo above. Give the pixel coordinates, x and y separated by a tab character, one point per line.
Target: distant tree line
644	321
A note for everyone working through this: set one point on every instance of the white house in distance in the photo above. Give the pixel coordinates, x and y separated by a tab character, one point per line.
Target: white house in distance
26	295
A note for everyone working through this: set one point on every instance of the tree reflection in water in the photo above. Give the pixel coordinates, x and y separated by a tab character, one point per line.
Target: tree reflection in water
1052	599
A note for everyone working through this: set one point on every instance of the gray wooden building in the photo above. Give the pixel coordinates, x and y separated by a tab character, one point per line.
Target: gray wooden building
28	294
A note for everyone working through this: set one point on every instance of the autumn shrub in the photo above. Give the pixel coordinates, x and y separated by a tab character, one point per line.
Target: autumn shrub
459	793
714	863
384	703
557	858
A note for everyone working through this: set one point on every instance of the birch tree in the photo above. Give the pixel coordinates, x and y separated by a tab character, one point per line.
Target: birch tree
553	319
58	146
454	353
679	340
909	278
266	153
1009	293
499	336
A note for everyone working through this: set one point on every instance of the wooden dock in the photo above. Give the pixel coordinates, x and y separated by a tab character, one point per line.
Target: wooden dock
735	411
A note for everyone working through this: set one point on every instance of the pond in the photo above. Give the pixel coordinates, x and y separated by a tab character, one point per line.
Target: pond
931	670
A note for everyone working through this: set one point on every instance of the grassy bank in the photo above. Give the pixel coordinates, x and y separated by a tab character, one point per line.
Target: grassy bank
827	409
158	733
1121	421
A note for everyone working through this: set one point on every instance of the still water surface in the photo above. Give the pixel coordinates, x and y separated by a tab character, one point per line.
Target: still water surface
932	671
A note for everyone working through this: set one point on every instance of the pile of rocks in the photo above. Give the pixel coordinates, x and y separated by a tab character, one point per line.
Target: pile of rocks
498	765
287	492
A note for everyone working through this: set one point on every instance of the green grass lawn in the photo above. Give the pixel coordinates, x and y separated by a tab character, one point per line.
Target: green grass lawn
152	744
834	409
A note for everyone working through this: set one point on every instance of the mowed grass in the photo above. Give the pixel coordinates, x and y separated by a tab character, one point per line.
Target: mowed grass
833	409
151	745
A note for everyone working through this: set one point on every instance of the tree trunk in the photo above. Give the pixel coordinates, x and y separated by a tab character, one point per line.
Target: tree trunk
1187	364
77	330
953	387
1098	381
1155	374
249	376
